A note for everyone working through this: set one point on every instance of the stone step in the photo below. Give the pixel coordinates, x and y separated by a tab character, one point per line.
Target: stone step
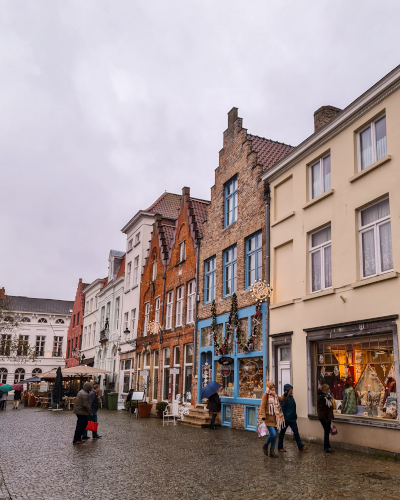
199	413
192	424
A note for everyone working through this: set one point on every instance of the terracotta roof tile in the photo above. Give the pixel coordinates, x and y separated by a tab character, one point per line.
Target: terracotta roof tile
268	152
167	205
200	212
105	283
121	271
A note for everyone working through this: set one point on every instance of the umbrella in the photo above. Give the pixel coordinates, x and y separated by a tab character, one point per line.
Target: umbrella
18	387
83	370
31	380
6	388
58	392
210	389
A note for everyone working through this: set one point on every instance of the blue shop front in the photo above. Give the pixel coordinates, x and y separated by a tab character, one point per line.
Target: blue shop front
243	381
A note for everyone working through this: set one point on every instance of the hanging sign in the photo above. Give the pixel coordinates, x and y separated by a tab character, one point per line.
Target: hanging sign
225	370
226	360
250	369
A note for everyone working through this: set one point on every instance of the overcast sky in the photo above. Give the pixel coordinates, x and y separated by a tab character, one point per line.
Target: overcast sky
106	104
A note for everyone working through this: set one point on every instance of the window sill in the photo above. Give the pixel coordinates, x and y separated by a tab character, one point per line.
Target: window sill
283	218
230	225
136	244
282	304
376	422
315	295
375	165
134	287
375	279
130	250
127	291
318	198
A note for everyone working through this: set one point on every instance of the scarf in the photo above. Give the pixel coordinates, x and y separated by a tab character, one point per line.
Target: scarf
274	408
327	397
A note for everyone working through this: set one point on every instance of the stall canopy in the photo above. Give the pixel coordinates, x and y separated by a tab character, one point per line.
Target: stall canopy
82	370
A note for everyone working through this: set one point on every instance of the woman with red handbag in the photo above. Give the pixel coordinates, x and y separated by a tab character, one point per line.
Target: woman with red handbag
92	420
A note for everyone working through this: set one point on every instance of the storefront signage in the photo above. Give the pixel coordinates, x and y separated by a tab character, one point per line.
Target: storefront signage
225	370
226	360
250	369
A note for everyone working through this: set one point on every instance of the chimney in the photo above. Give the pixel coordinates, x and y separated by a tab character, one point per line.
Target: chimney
323	115
232	117
2	293
186	192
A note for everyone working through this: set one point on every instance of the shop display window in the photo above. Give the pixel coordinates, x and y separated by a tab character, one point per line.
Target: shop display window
361	376
258	343
231	340
225	376
251	377
206	337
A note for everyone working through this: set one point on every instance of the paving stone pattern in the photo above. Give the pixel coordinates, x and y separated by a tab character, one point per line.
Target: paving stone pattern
141	459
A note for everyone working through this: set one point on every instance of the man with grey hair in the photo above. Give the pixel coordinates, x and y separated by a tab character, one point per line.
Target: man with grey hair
94	406
81	410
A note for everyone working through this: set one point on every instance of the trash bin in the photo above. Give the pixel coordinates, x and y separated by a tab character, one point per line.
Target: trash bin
113	400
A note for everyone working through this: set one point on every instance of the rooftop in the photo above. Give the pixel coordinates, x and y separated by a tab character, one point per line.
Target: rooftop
30	304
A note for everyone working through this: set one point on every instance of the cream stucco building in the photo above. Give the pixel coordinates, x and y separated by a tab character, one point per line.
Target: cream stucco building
335	263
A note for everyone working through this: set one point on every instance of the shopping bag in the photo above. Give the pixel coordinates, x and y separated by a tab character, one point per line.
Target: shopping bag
92	426
262	430
333	430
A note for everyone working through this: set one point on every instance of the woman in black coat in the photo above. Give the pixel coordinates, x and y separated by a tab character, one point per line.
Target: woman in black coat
214	407
17	399
325	414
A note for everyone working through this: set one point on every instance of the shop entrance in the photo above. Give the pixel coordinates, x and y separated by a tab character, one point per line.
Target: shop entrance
284	368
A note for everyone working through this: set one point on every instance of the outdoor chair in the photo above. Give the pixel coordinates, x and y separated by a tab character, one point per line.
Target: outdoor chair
169	413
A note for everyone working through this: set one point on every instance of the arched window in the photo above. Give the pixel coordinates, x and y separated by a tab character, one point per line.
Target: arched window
3	375
36	372
42	320
25	319
19	375
9	319
60	321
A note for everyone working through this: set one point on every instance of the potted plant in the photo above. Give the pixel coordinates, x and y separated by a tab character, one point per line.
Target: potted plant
144	409
160	407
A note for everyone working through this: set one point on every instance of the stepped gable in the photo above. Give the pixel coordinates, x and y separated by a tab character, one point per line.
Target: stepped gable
167	205
197	215
268	152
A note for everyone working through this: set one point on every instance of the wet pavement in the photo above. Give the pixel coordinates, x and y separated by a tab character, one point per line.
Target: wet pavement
139	459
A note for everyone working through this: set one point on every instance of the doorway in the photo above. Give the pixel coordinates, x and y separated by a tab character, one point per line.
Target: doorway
284	368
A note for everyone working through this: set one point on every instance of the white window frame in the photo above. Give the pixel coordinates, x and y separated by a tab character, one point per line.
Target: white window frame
133	320
87	307
89	335
191	301
95	302
126	320
163	372
136	275
137	238
373	140
182	251
138	359
94	332
128	275
154	274
117	302
85	337
130	244
320	248
157	310
57	346
146	318
376	225
156	352
108	311
170	302
321	172
180	295
186	365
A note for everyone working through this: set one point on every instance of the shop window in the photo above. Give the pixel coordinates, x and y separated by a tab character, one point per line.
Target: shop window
225	376
258	343
361	376
206	337
250	418
188	371
372	143
226	417
230	270
251	378
253	259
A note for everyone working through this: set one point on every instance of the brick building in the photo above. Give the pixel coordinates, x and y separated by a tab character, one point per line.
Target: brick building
74	337
232	258
168	298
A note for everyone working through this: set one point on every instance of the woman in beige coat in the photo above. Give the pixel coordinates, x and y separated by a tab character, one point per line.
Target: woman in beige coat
271	413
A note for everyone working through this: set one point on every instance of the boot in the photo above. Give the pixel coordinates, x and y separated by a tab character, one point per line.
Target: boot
265	449
272	453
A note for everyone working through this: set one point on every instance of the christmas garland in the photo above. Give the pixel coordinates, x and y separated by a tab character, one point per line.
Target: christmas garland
218	348
248	346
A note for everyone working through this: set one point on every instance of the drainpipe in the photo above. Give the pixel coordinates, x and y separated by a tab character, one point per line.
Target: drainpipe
195	310
267	201
164	277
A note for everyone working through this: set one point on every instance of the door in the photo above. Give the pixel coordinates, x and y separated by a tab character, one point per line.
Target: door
284	368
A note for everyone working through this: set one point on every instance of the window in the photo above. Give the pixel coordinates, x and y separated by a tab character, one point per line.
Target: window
137	238
253	259
320	260
89	334
155	375
130	244
146	318
126	366
320	176
226	419
154	275
136	271
176	376
250	418
375	239
42	320
128	276
94	332
230	271
188	372
87	307
27	320
179	305
108	312
73	321
59	321
117	314
19	375
170	299
167	360
138	371
225	376
191	301
77	320
372	143
210	280
3	375
84	336
40	342
231	201
251	377
91	305
126	321
36	372
23	345
57	346
133	320
157	310
182	251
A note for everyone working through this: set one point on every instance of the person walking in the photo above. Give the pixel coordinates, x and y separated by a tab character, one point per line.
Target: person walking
82	410
3	400
129	400
17	399
214	407
325	413
94	406
289	412
271	413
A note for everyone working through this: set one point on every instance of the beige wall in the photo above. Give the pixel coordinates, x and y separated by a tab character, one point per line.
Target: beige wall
372	299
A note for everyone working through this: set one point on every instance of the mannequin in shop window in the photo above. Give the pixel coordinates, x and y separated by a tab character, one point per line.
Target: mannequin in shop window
349	403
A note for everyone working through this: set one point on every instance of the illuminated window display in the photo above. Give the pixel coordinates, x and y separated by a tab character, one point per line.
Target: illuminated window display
225	375
251	378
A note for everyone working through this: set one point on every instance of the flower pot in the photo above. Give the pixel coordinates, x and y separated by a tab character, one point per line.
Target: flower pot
145	409
160	414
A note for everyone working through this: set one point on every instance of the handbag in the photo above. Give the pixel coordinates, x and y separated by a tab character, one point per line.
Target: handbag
333	430
262	430
92	426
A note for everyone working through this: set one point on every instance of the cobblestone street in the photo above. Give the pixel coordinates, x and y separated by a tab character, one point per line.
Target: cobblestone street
141	459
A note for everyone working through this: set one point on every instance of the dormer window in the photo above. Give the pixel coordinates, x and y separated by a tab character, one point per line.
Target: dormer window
60	321
42	320
182	251
26	320
154	270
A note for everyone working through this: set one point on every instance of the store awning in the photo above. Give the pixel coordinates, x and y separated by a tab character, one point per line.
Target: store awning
82	370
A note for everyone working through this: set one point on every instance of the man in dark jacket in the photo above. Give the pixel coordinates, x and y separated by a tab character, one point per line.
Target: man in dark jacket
289	412
94	406
82	410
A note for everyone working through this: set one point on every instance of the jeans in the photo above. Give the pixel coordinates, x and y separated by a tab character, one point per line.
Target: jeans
91	418
293	426
81	424
327	428
3	404
271	439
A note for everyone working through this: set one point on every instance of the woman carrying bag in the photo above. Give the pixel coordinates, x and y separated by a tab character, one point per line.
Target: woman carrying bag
271	413
325	414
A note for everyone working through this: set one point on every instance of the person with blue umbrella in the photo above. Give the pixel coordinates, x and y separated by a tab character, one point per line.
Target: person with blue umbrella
210	392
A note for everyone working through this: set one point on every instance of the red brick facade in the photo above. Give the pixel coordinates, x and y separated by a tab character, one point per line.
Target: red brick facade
172	273
74	337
